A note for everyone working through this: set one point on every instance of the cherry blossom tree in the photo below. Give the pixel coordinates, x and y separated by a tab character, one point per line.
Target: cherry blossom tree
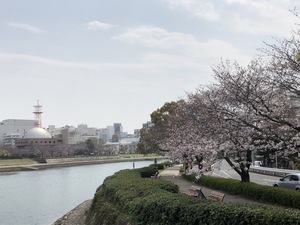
241	113
249	109
264	111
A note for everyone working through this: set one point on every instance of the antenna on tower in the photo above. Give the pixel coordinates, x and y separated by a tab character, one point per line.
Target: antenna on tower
37	115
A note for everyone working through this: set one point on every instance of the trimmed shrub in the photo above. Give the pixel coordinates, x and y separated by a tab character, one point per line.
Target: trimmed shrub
40	160
159	166
148	171
145	201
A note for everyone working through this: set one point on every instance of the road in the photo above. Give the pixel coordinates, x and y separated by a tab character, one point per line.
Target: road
224	170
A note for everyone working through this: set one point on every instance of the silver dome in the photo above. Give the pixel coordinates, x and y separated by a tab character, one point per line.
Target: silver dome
37	132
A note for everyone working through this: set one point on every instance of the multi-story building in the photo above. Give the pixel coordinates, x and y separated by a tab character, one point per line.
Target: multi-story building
103	134
128	145
37	136
147	125
81	134
137	133
12	129
118	130
9	140
19	133
111	133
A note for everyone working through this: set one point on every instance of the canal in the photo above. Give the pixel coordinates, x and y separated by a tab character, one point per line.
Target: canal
41	197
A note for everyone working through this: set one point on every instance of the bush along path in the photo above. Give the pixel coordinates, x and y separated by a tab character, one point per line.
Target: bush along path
133	197
185	182
249	190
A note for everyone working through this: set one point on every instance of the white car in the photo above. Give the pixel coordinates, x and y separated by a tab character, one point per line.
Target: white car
290	181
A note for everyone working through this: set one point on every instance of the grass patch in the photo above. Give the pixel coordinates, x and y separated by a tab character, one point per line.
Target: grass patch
14	162
136	155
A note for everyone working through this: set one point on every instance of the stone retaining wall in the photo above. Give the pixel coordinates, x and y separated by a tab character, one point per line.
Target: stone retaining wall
67	162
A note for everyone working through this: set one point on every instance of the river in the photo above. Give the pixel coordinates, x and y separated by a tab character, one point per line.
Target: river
41	197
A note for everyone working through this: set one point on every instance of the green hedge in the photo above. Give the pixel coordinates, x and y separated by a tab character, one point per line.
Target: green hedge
148	171
147	201
158	166
267	194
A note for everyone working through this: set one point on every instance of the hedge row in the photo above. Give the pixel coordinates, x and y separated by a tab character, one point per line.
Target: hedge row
150	201
267	194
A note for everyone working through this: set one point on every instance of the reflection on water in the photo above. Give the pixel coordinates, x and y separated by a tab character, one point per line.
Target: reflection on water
40	197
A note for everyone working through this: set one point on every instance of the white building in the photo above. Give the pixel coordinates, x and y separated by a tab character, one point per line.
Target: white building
102	134
110	133
74	135
37	136
12	129
81	134
9	140
106	134
128	145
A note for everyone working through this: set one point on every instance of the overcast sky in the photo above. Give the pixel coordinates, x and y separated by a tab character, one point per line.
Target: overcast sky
97	62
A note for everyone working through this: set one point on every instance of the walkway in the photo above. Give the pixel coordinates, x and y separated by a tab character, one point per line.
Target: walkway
172	174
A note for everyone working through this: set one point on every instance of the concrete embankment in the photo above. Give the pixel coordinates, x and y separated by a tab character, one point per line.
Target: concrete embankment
67	162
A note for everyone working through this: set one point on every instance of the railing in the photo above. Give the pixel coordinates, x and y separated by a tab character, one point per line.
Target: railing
272	171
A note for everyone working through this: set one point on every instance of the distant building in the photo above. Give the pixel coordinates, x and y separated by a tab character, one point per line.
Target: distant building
9	139
128	145
111	133
147	125
12	129
118	130
137	132
61	133
103	134
37	136
81	134
25	133
111	148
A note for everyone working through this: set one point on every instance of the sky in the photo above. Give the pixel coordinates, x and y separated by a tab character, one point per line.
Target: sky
99	62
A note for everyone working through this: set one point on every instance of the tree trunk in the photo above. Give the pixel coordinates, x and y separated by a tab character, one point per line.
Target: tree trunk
243	171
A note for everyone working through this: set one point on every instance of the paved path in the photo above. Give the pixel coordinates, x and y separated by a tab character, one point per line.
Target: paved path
172	174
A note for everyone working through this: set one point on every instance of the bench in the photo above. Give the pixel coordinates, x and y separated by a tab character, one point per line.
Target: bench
216	196
195	192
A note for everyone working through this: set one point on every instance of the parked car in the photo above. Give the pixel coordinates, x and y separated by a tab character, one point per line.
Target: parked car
290	181
257	163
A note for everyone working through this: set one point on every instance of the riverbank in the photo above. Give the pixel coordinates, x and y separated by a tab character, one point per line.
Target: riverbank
79	161
77	216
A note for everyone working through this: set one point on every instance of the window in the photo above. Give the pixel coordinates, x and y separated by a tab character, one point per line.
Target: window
294	178
287	178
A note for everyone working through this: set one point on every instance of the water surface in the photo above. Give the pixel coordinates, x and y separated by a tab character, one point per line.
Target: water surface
41	197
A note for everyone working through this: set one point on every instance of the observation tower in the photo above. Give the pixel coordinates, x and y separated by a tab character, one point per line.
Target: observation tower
37	115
